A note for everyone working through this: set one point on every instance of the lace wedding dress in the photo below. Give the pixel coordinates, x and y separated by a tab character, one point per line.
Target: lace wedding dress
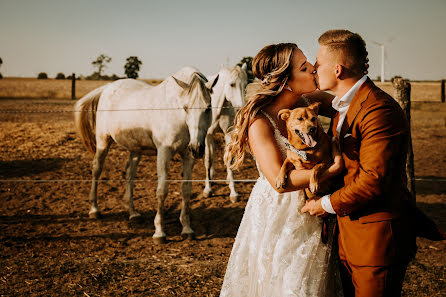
278	250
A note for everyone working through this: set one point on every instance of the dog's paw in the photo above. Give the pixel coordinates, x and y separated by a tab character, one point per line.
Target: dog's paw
314	188
280	182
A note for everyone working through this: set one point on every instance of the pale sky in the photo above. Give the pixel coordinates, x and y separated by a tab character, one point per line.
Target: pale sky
67	35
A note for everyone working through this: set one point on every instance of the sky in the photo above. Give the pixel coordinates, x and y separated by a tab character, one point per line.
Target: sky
55	36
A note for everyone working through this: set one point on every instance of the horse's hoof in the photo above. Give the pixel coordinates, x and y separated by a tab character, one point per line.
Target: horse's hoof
137	218
95	215
234	198
159	240
207	194
188	236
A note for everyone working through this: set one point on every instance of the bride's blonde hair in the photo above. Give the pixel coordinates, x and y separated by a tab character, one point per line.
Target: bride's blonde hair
272	65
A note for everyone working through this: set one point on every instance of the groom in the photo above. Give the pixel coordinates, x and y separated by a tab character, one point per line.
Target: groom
375	242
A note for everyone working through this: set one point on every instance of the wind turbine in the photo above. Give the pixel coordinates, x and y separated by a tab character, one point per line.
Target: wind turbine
383	54
383	51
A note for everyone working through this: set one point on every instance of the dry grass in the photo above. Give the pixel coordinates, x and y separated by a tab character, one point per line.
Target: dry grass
49	88
61	89
420	91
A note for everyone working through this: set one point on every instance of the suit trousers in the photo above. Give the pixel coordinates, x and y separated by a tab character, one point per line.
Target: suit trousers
372	281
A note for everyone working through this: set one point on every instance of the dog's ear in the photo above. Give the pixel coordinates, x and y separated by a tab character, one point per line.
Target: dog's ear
284	114
315	107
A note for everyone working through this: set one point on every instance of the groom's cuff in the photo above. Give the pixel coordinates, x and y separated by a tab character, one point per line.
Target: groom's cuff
326	204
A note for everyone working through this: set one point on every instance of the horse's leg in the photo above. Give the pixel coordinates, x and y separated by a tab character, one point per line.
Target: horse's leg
164	155
209	164
132	164
98	163
188	164
224	124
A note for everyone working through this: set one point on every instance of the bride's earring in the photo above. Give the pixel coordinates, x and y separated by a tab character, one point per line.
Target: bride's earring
288	88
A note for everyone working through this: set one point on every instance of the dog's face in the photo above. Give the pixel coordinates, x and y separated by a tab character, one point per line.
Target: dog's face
302	124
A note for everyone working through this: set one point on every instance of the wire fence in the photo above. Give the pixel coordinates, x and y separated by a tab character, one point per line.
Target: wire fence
166	180
108	110
13	111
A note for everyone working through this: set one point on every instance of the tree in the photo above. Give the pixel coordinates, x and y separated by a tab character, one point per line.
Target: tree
1	62
132	67
42	75
101	62
248	61
60	75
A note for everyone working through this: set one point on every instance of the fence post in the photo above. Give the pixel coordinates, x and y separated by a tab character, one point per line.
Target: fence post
73	86
442	91
402	96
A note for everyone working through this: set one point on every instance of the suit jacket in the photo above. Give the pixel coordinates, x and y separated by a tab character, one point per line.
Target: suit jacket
371	206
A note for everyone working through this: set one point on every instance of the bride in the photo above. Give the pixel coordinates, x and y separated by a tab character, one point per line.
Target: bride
278	250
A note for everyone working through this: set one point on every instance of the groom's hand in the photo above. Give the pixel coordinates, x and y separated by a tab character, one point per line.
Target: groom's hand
314	208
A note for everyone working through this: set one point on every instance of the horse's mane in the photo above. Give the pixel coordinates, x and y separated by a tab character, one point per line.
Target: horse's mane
197	80
197	83
236	72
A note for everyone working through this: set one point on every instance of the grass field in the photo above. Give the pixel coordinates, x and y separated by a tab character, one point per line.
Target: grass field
49	246
61	89
34	88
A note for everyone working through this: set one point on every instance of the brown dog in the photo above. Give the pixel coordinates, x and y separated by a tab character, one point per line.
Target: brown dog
310	146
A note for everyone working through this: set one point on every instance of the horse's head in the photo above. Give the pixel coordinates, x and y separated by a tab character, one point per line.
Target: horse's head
236	80
197	105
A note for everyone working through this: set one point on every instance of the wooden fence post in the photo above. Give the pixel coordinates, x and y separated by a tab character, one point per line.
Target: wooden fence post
73	86
442	91
402	96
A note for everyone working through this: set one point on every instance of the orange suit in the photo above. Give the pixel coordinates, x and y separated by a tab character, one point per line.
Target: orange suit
375	241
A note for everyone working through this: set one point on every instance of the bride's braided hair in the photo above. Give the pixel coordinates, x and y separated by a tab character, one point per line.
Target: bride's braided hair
272	66
352	47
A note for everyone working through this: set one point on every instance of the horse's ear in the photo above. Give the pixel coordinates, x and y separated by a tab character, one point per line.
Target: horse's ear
212	84
284	114
245	67
315	106
181	83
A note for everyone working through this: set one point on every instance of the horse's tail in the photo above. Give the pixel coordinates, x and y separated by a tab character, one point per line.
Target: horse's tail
85	118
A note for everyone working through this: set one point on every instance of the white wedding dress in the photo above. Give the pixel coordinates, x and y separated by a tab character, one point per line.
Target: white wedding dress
278	250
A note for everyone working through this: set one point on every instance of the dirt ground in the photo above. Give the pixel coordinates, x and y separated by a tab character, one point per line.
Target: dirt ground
49	246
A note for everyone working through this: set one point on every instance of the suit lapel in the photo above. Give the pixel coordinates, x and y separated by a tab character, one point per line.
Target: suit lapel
355	106
334	124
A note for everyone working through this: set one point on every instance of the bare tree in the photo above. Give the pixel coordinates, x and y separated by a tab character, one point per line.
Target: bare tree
101	62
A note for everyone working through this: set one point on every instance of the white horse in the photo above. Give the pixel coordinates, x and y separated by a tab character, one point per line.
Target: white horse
228	95
170	118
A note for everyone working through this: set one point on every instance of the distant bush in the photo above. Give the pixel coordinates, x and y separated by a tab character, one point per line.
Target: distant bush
60	75
115	77
42	75
79	77
131	68
1	76
96	76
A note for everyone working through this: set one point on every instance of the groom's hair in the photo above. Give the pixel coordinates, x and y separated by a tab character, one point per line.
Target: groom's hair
350	48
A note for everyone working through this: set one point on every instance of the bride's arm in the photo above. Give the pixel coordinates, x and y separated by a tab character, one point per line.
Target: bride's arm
264	147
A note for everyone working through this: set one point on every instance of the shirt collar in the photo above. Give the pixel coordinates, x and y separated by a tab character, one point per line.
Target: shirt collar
345	100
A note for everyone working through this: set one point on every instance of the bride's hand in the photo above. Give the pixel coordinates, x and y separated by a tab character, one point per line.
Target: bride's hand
338	162
314	208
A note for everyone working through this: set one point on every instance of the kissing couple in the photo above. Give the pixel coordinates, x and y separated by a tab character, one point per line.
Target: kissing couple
279	250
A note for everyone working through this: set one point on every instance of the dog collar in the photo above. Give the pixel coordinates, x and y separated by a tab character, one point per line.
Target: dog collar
301	154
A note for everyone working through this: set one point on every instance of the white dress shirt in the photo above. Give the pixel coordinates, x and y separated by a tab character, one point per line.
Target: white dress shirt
341	104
